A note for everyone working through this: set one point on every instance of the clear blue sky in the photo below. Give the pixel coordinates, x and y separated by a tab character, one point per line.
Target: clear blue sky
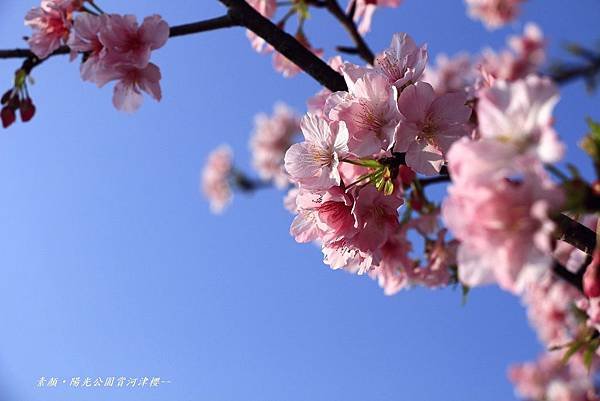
111	263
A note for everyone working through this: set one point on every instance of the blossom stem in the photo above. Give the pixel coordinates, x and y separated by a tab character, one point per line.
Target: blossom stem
434	180
95	6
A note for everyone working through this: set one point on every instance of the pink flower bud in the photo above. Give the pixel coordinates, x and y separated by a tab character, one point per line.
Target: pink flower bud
591	278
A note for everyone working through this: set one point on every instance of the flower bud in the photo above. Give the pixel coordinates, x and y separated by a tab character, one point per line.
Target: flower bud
7	115
27	109
407	176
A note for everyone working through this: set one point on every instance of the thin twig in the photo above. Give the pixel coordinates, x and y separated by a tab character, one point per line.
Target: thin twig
362	48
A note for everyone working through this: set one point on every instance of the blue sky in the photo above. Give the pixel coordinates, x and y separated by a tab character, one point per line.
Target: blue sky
111	263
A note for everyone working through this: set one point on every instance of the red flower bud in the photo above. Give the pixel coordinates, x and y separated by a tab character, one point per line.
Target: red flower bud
8	116
416	203
407	176
27	110
591	278
6	97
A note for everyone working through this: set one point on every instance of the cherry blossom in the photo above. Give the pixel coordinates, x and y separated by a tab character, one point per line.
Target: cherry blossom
369	110
451	74
313	163
504	229
550	304
119	50
403	62
51	23
84	37
132	82
526	56
494	13
520	113
128	43
271	138
215	178
366	8
549	379
429	125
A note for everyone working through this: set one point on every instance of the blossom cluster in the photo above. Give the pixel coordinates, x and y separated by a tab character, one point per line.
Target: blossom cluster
550	379
494	13
525	55
562	316
272	136
114	47
216	177
357	165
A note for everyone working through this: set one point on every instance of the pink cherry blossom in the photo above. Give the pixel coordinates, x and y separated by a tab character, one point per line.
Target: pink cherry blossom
366	8
132	81
119	50
527	56
403	62
451	74
333	212
51	23
127	43
520	113
550	304
549	379
494	13
314	162
530	49
429	124
376	216
485	160
215	178
343	254
84	37
504	229
369	110
271	138
397	270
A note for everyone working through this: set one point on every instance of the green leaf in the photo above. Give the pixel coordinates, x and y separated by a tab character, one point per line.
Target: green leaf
594	128
590	351
573	348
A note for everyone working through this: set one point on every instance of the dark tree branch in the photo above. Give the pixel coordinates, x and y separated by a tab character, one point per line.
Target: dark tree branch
565	74
575	233
434	180
243	14
202	26
575	279
178	30
347	49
